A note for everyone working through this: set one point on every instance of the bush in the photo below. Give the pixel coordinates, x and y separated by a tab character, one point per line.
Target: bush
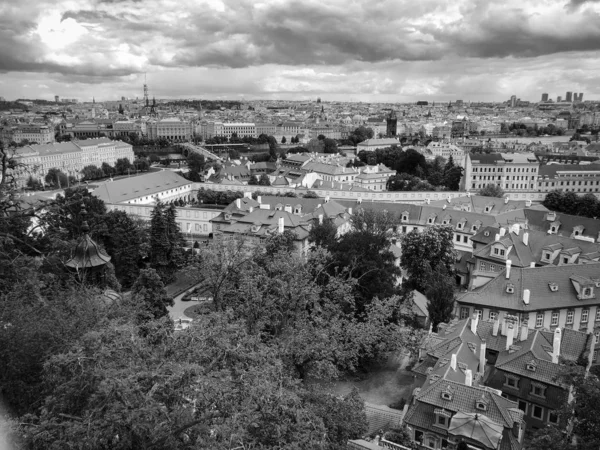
399	404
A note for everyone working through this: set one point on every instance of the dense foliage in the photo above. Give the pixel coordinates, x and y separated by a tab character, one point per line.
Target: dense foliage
587	205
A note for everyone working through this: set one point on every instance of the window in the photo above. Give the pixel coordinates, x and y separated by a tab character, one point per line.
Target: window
457	237
547	256
464	312
482	266
493	315
570	315
539	320
553	417
587	292
597	314
565	260
554	321
479	313
442	420
538	390
584	315
523	406
538	412
511	381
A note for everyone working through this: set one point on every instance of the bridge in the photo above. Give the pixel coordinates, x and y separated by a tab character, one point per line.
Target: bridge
191	148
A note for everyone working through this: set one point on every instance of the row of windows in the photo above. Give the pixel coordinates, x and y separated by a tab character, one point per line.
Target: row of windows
508	169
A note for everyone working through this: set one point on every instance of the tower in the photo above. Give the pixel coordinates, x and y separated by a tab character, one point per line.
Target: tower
145	91
391	124
544	97
153	107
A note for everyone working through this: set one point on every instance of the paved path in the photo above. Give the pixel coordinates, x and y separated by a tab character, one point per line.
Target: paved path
176	311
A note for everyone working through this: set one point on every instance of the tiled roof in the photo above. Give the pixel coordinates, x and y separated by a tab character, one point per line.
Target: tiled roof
537	280
478	204
538	220
125	189
550	170
464	399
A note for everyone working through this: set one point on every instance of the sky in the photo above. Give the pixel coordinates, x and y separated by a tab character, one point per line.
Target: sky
339	50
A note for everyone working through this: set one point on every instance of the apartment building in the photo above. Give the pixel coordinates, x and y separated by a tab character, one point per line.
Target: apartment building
511	171
373	178
569	177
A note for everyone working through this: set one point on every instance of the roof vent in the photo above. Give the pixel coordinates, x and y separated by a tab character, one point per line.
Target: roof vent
553	287
510	288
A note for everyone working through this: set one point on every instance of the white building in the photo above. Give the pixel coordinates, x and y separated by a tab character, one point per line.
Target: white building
373	144
447	150
511	171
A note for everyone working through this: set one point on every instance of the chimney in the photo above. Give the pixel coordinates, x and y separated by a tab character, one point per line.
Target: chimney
532	264
508	265
505	200
247	194
320	219
556	346
474	322
510	335
250	209
502	231
526	293
281	225
469	194
497	237
524	332
504	327
350	211
258	199
528	203
444	207
449	199
453	361
495	327
238	203
482	349
525	238
468	377
327	199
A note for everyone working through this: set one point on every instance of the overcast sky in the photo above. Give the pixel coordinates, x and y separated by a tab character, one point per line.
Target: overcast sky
360	50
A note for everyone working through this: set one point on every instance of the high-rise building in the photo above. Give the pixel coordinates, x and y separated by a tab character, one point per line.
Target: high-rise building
544	97
558	99
579	98
569	97
56	98
513	101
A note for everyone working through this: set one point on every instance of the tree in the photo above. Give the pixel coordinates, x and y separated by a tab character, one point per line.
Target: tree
491	190
283	140
126	243
264	180
440	295
141	164
150	293
273	156
323	234
34	183
107	169
423	251
56	179
121	110
364	254
91	172
166	242
330	145
253	181
123	165
315	146
452	175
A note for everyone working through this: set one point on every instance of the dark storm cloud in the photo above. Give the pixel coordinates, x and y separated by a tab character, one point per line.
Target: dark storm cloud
575	4
243	34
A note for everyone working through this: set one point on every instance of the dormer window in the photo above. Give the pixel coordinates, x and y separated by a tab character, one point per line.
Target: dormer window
499	251
531	366
510	288
587	292
481	406
431	220
546	256
460	225
446	395
553	229
553	287
442	417
488	208
404	217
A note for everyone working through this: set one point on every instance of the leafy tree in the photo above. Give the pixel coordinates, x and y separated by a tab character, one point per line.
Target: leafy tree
550	438
452	175
422	251
149	292
264	180
406	182
141	164
364	254
440	295
283	140
34	183
273	156
491	190
56	178
323	234
209	196
234	154
330	145
253	181
123	165
310	194
91	172
107	169
315	146
121	110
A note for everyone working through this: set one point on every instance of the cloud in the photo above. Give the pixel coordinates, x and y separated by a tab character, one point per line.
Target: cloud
575	4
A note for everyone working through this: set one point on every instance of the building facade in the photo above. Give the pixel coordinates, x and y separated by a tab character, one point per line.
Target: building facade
516	172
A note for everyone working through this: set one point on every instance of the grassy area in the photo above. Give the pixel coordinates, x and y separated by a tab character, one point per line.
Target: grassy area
196	311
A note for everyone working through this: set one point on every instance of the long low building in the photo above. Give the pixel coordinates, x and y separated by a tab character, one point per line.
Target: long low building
69	157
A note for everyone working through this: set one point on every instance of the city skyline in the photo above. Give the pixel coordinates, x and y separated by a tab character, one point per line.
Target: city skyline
388	52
